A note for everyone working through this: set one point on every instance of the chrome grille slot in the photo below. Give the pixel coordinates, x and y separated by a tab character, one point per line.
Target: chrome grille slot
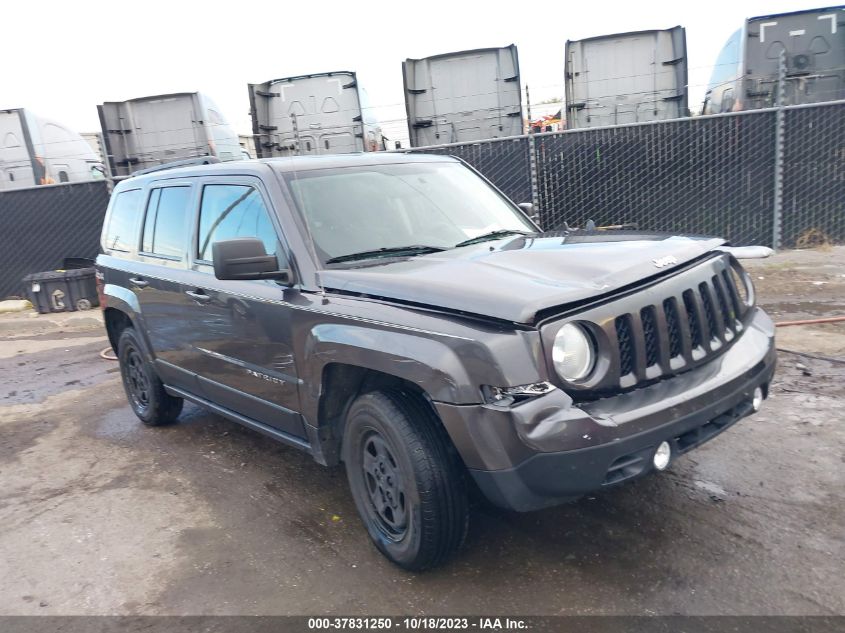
725	309
709	312
626	344
673	326
650	334
733	295
696	333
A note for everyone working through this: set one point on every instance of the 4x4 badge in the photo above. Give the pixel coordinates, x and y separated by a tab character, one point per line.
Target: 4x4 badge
662	262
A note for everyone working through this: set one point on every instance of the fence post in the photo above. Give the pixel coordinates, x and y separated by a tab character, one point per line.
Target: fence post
532	159
777	209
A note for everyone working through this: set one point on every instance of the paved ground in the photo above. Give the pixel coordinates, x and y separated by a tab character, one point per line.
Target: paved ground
100	515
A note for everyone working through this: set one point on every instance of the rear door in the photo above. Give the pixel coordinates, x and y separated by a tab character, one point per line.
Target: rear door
162	262
239	336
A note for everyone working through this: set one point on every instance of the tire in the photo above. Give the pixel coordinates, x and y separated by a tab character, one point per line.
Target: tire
144	390
407	482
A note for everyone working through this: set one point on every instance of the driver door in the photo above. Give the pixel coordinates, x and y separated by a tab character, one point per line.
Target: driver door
240	334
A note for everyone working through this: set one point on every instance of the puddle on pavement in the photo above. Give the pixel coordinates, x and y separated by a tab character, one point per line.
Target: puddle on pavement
119	424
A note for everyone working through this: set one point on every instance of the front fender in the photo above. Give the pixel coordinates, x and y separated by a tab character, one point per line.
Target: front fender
428	362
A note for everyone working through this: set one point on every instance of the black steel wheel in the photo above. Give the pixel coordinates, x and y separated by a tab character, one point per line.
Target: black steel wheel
136	382
406	479
144	390
383	478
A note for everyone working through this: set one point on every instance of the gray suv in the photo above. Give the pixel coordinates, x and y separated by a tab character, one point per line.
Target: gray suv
398	314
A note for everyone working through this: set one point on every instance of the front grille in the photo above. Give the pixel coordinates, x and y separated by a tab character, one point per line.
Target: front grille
679	331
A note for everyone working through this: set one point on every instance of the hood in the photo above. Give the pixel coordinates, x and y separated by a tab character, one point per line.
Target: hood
515	278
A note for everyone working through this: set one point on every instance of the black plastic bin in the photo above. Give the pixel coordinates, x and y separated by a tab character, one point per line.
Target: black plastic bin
62	290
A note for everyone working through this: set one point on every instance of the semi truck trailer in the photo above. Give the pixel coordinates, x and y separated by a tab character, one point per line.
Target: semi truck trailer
812	47
38	151
322	113
626	78
149	131
463	97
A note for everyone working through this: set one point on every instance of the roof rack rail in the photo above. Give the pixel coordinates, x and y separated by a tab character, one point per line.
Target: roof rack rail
188	162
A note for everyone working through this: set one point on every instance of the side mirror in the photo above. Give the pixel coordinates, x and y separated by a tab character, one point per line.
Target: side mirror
245	258
528	209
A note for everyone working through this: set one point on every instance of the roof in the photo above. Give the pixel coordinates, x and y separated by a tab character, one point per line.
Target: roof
155	97
783	15
611	36
310	76
291	164
332	161
459	53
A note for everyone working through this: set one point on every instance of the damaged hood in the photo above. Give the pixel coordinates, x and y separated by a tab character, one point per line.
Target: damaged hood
515	278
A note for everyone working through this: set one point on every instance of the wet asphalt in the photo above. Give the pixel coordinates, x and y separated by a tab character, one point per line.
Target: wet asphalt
99	514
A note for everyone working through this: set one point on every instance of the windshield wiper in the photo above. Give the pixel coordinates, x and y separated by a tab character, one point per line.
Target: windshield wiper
414	249
492	235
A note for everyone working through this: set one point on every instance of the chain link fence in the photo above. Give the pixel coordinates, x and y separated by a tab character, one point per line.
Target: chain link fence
41	226
814	175
697	175
714	175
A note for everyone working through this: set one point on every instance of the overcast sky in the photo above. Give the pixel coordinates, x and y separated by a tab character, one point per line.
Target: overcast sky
61	59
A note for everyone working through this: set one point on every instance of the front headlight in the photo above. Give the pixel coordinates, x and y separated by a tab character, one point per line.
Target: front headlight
574	353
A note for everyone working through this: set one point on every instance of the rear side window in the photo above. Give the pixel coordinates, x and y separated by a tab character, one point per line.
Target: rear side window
230	211
124	214
164	223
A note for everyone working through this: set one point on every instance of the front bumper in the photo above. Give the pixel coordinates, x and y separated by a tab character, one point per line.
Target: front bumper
547	451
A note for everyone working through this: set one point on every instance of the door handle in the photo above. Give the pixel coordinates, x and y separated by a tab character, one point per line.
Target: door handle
198	295
139	281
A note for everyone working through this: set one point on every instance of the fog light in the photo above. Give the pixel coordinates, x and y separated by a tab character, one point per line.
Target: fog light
757	399
662	456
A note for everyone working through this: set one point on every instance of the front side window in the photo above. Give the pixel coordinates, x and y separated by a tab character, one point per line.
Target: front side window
164	224
359	209
231	211
124	215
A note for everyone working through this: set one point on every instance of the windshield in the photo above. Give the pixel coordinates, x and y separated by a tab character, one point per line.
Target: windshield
385	207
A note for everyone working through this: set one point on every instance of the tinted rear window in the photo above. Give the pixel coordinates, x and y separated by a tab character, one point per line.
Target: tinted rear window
122	222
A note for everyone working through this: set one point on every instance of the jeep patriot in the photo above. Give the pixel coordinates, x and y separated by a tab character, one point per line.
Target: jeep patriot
396	313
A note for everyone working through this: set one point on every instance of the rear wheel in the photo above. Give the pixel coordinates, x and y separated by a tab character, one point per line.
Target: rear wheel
407	482
145	392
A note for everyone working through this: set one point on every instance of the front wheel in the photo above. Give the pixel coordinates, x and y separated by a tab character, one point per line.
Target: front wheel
406	480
